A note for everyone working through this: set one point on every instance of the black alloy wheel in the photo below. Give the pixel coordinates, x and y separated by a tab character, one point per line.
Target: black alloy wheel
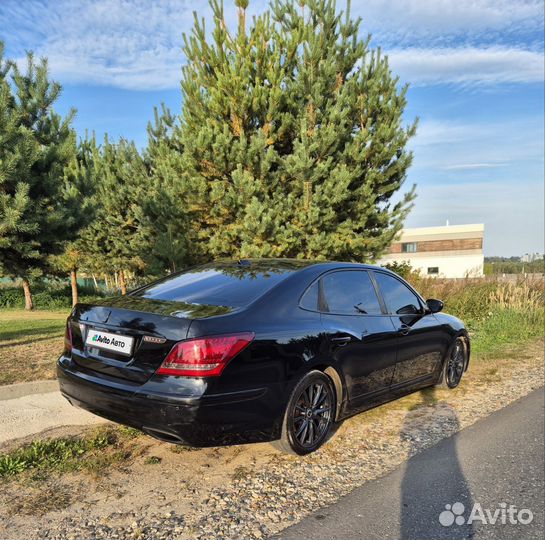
456	364
309	415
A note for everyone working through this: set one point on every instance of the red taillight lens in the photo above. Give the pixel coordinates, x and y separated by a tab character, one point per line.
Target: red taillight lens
68	338
204	357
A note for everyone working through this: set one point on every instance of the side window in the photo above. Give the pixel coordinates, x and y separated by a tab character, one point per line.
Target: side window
398	297
310	298
351	292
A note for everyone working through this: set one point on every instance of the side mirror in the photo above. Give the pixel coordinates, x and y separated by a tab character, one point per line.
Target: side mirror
435	306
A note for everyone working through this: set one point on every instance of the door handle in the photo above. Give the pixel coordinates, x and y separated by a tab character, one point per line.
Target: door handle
341	340
404	329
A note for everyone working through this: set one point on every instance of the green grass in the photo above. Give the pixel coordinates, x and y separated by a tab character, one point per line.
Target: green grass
30	343
17	325
504	327
18	330
92	452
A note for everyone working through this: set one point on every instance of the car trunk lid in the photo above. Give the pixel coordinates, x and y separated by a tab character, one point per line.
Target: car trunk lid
129	337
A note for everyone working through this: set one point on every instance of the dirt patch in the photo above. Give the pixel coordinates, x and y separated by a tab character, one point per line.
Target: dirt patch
164	491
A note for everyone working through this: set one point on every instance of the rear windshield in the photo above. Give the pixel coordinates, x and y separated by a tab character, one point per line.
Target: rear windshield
233	286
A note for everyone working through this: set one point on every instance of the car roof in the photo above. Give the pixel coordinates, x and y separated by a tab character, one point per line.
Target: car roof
288	265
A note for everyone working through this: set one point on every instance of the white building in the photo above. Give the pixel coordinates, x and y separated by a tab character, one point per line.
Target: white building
452	251
531	257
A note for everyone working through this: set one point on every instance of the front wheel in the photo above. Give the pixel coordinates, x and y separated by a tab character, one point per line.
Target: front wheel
309	415
455	364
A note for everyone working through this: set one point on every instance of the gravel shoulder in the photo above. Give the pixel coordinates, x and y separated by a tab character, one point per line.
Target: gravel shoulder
253	491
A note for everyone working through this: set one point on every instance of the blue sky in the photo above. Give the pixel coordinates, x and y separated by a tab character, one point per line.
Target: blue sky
476	69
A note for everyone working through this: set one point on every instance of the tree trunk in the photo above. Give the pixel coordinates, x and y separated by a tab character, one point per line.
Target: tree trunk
122	284
95	282
29	305
74	286
106	282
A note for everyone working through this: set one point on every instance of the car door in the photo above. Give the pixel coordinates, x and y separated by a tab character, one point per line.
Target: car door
362	337
422	342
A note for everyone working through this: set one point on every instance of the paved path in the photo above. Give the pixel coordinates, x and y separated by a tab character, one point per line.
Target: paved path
30	408
497	460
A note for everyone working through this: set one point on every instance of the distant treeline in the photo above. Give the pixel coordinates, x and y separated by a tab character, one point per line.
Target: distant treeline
512	265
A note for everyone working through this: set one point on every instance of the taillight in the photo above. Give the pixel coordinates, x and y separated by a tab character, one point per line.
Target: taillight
204	357
68	338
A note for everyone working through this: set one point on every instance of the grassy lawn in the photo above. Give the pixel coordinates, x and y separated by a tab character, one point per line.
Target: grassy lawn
29	344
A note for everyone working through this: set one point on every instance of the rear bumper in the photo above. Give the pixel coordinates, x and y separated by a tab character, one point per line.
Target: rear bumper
206	420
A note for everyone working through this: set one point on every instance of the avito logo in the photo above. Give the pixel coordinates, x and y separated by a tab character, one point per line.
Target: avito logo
505	514
102	339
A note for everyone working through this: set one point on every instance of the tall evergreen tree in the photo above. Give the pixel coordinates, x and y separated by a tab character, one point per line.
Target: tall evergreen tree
81	180
115	238
165	215
292	134
37	144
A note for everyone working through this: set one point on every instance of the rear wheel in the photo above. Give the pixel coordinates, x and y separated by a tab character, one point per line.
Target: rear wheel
455	364
309	415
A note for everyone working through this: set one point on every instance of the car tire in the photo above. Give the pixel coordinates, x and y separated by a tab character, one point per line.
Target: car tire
309	415
454	365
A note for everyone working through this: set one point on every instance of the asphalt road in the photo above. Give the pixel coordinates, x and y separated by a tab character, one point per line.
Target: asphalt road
498	460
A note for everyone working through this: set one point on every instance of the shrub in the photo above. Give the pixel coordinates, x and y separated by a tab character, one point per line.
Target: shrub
475	298
403	269
496	312
46	295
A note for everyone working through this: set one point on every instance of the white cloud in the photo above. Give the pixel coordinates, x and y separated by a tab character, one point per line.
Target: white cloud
472	166
136	44
133	44
482	148
490	65
409	19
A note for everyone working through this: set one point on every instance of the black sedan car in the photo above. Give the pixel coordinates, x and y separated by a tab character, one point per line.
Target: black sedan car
258	350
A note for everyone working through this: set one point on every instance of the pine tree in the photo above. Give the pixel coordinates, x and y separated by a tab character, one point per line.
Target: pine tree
292	134
81	180
36	146
114	240
165	216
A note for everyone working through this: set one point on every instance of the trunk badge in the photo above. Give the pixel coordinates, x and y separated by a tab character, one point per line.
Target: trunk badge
153	339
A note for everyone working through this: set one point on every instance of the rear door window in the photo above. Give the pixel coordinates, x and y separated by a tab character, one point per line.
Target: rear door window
350	292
